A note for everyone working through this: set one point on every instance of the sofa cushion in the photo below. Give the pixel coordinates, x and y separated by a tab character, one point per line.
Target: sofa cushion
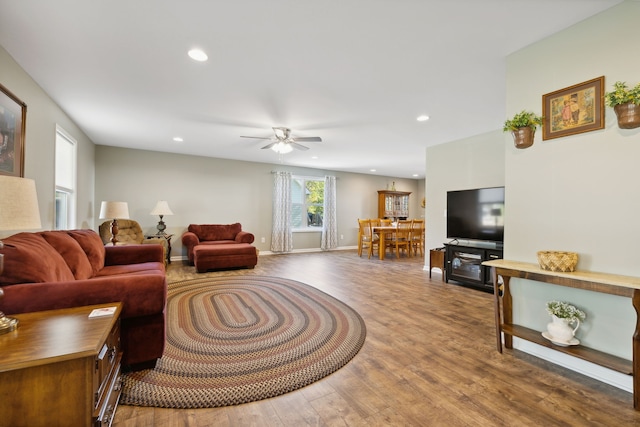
71	252
216	231
217	242
92	246
140	268
28	258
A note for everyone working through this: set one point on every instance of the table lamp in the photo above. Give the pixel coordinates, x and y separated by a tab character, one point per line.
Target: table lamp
162	209
18	211
113	211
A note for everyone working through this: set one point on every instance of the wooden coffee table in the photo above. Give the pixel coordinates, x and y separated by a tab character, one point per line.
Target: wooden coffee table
61	367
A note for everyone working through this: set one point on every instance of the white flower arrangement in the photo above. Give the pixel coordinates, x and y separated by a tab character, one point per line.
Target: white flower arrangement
564	310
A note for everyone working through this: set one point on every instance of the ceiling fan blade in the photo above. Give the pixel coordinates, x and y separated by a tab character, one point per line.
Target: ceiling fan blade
270	145
307	138
255	137
298	146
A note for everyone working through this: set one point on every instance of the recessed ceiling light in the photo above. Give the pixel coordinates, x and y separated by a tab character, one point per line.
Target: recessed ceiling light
314	157
416	175
423	118
198	55
178	139
372	170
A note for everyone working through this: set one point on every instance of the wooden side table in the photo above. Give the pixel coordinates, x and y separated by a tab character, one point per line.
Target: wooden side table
436	260
61	368
612	284
167	237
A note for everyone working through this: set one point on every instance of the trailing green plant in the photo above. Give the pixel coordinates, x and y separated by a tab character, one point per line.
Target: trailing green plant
621	94
564	310
521	120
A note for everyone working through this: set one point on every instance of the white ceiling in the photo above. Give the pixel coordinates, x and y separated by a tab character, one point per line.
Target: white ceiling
357	73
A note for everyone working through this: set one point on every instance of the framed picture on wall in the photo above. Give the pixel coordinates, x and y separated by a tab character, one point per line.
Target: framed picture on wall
572	110
13	114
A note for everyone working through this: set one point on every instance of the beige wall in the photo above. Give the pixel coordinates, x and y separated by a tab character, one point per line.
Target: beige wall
469	163
577	193
210	190
42	116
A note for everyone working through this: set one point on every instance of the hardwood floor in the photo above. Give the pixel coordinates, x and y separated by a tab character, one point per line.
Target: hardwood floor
429	360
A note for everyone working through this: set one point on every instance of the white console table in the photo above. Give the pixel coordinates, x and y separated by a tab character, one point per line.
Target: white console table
625	286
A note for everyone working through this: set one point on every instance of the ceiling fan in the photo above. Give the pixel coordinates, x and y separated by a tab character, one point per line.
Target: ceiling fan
283	142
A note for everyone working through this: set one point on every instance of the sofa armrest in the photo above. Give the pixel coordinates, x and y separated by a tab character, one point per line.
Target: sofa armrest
133	254
244	237
190	239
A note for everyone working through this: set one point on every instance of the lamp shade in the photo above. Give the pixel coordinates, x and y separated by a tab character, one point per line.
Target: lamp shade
162	208
113	210
18	204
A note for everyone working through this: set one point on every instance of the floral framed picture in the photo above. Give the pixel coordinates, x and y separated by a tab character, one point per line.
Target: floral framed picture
13	114
572	110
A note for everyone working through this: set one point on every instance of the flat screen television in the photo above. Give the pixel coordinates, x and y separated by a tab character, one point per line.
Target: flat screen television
476	214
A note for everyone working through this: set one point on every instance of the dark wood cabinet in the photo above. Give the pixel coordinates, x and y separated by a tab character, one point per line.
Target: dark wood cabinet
463	264
393	204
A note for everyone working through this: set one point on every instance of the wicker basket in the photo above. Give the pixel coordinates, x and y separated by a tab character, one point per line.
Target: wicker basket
557	260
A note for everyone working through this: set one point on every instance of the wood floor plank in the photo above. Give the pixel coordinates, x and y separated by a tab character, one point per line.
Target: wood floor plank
294	410
429	360
254	414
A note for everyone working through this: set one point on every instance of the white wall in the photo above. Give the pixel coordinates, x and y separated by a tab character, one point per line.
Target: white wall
198	189
210	190
42	116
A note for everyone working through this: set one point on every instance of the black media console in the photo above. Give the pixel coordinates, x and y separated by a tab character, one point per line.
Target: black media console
464	263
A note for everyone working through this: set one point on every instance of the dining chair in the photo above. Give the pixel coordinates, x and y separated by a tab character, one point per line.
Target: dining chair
363	227
402	237
417	236
366	238
388	242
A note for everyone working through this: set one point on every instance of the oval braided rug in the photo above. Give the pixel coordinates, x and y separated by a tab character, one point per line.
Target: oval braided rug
238	339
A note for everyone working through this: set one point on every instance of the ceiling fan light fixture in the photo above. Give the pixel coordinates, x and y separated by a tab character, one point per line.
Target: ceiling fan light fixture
198	55
282	148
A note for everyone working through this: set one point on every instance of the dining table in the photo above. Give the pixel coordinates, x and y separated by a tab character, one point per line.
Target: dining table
384	231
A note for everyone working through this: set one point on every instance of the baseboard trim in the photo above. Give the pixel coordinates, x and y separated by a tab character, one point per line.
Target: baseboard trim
301	251
295	251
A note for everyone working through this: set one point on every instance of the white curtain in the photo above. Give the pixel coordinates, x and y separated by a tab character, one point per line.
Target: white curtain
329	239
281	236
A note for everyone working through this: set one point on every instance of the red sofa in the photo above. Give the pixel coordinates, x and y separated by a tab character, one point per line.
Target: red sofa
61	269
219	246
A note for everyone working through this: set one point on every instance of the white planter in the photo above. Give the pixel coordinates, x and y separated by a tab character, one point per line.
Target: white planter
560	329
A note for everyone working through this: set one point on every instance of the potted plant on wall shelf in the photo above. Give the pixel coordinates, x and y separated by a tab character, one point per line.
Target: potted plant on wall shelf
626	104
523	128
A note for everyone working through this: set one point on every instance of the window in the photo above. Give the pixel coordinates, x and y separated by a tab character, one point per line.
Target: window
65	180
307	203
